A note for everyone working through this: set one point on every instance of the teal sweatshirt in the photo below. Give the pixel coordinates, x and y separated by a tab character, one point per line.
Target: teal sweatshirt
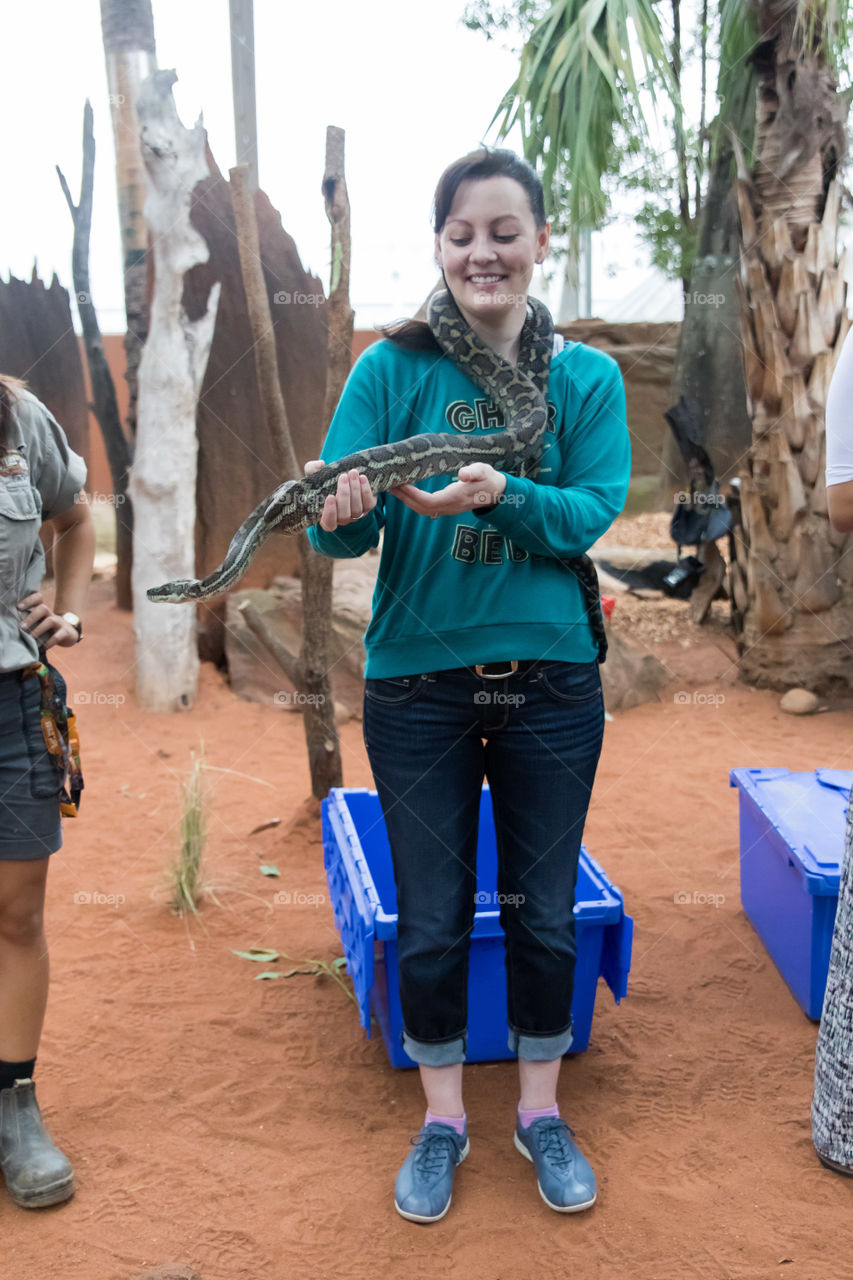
468	589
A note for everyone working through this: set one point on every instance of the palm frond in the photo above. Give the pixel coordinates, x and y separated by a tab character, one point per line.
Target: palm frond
823	28
736	81
581	74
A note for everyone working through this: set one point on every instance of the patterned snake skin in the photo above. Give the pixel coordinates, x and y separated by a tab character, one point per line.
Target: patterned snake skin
519	391
832	1102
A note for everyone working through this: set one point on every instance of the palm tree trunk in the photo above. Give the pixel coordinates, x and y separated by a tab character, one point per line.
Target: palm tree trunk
792	582
708	365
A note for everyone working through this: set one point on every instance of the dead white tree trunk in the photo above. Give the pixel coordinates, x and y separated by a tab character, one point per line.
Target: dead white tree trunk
174	359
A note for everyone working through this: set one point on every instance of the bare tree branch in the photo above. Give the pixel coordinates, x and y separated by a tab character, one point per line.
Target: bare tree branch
105	405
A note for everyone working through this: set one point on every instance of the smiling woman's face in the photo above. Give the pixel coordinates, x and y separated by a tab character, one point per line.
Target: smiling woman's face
489	246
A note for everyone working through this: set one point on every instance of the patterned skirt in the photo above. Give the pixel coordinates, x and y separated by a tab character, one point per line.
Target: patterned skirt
832	1105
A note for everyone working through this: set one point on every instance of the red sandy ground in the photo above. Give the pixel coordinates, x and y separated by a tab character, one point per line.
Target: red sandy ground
251	1130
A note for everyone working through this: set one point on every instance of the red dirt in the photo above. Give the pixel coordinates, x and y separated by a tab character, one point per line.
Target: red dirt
249	1129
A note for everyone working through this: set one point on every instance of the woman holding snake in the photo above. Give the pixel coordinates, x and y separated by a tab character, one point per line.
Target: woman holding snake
481	661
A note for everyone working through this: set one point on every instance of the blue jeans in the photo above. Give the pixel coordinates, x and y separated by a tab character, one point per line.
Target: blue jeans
536	736
30	783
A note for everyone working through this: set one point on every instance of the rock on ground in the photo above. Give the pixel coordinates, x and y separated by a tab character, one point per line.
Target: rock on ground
799	702
254	673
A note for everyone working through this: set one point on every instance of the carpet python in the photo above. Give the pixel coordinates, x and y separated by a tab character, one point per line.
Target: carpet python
518	390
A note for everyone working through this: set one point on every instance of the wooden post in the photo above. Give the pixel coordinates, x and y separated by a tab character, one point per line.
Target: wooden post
243	86
308	672
129	48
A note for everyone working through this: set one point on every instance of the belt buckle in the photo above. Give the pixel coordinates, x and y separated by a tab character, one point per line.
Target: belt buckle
491	675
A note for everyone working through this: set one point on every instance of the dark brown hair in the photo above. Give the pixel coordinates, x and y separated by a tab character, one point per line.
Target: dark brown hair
485	162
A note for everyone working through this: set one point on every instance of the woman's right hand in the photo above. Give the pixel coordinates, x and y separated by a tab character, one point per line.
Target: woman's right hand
354	498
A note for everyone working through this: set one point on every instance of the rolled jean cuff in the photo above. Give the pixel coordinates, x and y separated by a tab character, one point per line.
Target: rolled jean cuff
436	1053
539	1048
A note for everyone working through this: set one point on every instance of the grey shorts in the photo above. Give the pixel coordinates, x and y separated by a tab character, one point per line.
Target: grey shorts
30	783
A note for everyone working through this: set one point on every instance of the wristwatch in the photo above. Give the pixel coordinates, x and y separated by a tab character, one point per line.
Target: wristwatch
75	622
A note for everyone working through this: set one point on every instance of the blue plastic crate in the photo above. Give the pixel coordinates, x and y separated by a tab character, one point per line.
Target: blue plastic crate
791	850
363	895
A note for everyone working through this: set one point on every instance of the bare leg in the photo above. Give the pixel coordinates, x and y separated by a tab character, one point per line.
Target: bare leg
443	1089
538	1081
36	1172
24	963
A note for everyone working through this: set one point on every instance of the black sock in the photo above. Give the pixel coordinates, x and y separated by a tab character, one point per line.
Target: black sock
12	1071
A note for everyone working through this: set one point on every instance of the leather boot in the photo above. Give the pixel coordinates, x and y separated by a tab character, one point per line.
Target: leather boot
36	1172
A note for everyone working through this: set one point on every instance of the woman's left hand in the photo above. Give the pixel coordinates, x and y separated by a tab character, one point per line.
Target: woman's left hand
477	485
45	626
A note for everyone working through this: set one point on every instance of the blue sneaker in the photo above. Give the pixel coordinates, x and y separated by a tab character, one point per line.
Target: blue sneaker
566	1181
425	1181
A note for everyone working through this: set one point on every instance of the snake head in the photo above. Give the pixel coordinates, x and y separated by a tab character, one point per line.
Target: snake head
178	592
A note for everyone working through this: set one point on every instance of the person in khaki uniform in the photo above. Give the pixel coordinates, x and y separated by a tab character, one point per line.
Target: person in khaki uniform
41	479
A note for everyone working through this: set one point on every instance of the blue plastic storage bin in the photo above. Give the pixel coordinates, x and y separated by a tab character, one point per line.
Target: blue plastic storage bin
791	850
361	884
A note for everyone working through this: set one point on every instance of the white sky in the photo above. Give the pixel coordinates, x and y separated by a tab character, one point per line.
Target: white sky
412	88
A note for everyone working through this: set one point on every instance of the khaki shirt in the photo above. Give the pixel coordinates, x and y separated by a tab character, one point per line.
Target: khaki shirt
40	477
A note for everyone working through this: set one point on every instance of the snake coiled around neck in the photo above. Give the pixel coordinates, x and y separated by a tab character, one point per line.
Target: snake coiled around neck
519	390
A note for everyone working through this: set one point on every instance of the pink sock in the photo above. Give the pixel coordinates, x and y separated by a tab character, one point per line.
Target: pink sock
454	1122
527	1117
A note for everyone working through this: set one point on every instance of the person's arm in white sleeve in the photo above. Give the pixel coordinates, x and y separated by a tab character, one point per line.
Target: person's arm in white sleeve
839	441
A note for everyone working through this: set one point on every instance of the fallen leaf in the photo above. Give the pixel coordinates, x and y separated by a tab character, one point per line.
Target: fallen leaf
270	871
289	973
257	953
265	826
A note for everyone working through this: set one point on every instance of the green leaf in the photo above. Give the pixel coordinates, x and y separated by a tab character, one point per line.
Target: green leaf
268	870
260	954
339	963
290	973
